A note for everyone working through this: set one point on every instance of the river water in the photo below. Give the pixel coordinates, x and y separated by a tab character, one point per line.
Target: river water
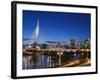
45	61
41	61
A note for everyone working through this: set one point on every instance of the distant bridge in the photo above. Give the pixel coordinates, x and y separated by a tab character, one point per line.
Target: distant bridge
31	51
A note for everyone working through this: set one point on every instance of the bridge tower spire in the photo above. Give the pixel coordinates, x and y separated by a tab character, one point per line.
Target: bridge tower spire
36	34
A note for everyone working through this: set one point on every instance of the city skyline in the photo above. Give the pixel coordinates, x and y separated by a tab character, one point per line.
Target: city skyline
56	26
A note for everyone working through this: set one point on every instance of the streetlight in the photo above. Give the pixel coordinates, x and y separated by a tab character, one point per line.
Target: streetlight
59	53
87	50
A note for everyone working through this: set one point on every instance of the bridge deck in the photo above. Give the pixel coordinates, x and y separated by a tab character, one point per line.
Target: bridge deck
30	51
60	50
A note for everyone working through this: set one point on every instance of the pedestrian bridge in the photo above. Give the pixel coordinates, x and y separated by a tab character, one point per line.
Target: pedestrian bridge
27	51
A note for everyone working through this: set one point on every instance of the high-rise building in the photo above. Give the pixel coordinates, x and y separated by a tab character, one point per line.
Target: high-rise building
72	43
87	43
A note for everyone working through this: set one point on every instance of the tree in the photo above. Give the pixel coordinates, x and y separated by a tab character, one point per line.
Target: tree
44	46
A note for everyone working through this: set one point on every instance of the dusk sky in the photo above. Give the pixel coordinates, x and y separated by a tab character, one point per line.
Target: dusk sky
56	26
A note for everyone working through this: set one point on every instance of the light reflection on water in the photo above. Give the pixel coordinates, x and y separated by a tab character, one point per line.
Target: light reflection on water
42	61
47	61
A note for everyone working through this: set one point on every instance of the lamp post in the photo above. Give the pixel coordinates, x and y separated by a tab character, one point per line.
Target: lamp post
87	50
59	61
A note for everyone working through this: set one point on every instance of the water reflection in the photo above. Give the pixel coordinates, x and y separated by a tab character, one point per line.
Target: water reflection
51	60
41	61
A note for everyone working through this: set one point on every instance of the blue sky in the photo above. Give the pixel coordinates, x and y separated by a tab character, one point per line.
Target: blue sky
56	26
